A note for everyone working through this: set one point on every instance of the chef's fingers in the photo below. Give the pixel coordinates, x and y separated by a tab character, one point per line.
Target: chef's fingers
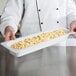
8	36
73	29
9	33
74	35
13	37
73	26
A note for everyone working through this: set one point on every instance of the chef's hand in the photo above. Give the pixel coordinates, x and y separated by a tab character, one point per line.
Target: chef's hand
73	27
9	33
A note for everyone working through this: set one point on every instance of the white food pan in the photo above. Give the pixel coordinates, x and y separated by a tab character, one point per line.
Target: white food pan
36	47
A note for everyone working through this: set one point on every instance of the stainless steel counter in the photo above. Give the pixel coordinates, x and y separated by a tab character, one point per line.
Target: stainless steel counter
44	62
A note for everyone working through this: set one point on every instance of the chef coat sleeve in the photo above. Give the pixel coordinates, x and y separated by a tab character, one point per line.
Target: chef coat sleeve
11	14
71	12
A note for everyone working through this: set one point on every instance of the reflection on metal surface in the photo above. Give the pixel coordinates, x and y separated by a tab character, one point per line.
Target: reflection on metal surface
45	62
71	53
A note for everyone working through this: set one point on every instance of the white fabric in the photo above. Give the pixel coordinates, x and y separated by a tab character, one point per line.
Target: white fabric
48	15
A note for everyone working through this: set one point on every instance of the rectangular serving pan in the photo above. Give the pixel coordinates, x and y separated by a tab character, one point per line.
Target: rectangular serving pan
36	47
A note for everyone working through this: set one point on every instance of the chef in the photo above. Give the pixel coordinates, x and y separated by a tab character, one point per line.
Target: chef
35	16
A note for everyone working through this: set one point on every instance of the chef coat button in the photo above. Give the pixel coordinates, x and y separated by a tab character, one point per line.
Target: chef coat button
57	8
41	22
39	10
57	21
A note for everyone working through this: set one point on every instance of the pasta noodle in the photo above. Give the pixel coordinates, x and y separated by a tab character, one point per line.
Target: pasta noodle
37	39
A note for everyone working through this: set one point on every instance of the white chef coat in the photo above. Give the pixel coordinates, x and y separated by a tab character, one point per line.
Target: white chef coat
49	14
